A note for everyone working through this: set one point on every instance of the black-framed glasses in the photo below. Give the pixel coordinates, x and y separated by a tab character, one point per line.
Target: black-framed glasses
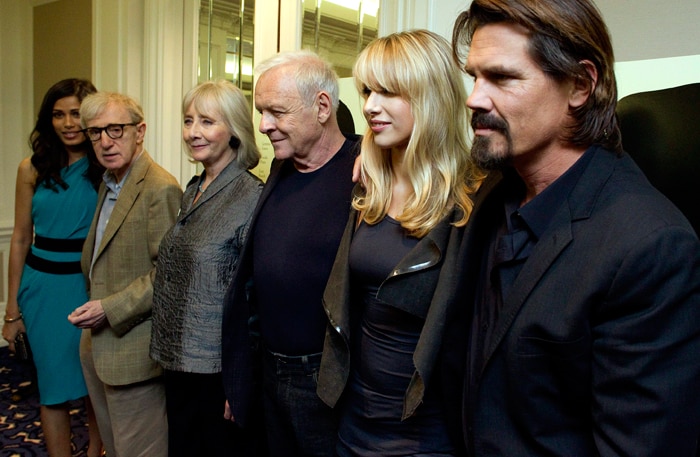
114	131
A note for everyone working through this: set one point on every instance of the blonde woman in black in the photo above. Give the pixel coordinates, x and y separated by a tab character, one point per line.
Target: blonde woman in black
387	296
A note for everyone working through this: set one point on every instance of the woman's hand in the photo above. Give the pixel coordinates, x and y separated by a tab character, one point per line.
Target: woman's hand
10	330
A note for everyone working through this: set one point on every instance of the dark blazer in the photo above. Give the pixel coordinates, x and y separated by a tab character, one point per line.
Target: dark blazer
597	347
426	275
239	347
240	351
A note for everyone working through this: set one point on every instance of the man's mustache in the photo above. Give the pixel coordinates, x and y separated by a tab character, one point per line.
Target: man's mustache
487	121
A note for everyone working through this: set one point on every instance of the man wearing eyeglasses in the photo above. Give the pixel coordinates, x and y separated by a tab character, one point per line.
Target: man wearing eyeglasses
137	203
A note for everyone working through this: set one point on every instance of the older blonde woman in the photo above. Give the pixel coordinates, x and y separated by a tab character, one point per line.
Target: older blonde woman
388	293
196	261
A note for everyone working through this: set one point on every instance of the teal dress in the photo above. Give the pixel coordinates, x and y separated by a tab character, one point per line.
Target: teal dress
52	284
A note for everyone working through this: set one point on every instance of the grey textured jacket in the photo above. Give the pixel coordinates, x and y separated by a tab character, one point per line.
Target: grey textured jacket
196	261
426	274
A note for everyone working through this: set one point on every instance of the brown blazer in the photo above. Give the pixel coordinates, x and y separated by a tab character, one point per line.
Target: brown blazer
123	270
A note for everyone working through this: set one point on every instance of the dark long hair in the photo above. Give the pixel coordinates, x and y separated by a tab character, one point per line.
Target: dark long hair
50	154
562	34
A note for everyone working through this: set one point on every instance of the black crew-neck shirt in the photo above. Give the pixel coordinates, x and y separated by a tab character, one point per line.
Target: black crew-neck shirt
296	238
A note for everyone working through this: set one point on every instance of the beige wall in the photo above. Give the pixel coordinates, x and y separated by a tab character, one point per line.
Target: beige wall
649	29
62	44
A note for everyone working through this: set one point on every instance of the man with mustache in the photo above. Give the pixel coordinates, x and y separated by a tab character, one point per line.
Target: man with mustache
579	326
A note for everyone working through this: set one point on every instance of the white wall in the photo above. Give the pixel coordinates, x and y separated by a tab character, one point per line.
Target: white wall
649	29
656	45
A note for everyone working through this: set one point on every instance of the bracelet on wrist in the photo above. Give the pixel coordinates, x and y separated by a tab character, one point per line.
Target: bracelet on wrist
10	320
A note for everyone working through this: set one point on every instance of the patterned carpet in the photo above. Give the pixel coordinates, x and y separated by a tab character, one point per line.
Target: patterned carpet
20	426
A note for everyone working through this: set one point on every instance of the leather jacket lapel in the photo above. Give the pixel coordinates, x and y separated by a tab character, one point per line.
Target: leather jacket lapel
412	282
424	255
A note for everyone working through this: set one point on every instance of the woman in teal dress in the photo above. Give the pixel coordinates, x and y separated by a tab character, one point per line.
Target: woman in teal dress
55	200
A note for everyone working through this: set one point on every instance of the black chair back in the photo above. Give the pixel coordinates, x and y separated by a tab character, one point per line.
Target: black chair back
661	131
344	116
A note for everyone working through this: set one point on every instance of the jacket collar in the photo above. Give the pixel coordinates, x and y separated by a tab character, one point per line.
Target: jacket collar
427	252
127	196
578	206
228	174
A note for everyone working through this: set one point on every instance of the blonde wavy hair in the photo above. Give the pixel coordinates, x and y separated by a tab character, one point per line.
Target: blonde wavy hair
417	65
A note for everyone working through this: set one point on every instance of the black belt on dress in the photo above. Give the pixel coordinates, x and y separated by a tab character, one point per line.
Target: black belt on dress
55	245
49	266
58	245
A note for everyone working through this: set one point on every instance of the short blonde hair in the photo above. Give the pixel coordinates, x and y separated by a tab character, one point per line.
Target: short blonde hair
223	99
417	66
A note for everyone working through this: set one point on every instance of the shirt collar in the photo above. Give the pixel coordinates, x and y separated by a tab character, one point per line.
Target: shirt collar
539	212
111	180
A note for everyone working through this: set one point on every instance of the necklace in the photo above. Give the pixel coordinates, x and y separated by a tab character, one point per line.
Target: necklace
200	189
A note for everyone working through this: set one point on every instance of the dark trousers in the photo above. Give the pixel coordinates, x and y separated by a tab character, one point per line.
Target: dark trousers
196	424
298	423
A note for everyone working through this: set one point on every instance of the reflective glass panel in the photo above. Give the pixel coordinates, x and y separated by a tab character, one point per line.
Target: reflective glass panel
226	42
339	29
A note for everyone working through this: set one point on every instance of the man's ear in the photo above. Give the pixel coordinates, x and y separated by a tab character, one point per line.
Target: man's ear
140	132
584	87
325	107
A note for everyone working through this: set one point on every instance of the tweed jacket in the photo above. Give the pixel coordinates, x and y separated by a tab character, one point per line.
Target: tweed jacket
596	348
427	274
123	269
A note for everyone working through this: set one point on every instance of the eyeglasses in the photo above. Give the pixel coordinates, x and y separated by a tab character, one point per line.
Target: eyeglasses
114	131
